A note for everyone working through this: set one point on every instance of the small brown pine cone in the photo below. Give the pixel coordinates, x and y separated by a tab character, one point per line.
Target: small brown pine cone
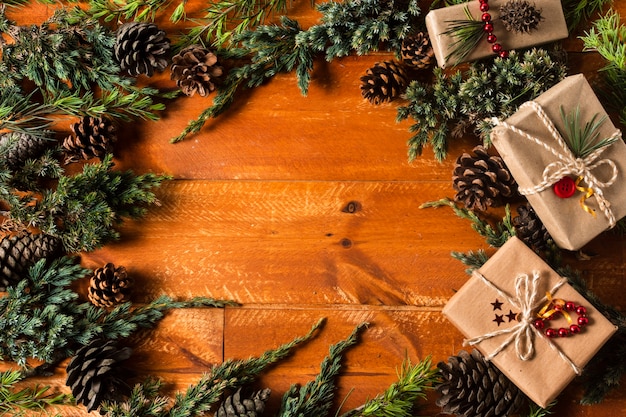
383	82
94	374
244	404
109	286
93	137
195	69
482	180
530	229
18	253
520	16
141	48
417	52
473	387
22	146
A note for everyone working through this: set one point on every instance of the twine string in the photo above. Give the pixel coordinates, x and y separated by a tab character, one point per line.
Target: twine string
523	334
567	163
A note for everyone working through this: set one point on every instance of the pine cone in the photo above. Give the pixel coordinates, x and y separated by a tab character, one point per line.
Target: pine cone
242	404
383	82
93	137
18	253
195	69
22	146
473	387
93	374
109	286
530	229
482	181
520	16
417	52
141	48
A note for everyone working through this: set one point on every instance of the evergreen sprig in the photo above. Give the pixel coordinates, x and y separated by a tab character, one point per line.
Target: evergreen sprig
492	88
578	11
16	402
399	400
468	33
358	26
133	10
314	399
583	140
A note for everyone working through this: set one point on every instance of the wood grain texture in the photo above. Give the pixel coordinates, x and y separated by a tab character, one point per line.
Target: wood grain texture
301	208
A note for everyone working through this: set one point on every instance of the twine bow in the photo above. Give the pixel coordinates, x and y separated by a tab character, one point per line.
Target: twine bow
568	164
522	334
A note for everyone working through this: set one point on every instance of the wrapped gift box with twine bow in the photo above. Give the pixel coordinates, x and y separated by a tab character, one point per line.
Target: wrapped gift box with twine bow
528	321
569	161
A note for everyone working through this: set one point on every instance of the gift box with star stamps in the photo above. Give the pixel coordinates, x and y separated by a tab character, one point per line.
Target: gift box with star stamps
528	321
576	196
550	26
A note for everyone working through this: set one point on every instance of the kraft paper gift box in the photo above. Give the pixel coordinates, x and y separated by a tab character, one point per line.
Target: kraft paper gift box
475	307
568	220
552	28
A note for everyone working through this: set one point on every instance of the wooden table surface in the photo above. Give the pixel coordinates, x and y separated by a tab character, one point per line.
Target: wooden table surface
256	213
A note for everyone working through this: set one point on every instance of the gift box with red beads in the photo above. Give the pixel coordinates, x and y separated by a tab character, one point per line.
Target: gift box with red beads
577	193
528	321
493	32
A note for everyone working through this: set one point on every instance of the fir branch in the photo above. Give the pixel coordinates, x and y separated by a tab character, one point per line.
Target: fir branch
144	401
584	140
19	114
578	11
315	398
473	259
468	34
400	398
537	411
133	10
16	402
492	88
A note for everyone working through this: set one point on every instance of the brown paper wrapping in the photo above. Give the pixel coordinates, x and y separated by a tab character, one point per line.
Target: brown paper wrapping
568	224
552	28
544	376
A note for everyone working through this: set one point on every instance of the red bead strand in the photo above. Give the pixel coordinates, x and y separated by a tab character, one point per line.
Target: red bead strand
488	28
558	309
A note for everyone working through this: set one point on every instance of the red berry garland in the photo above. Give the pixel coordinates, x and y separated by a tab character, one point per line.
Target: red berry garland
488	28
560	307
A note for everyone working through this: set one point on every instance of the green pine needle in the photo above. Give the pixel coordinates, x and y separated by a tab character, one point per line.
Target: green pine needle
468	33
583	140
16	402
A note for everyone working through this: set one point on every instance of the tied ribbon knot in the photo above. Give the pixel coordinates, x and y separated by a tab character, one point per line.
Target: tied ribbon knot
527	299
568	164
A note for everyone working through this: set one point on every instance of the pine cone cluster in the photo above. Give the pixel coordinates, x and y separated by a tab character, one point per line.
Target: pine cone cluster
473	387
109	286
383	82
18	253
244	404
195	69
92	137
141	48
22	146
417	51
94	373
482	180
520	16
530	229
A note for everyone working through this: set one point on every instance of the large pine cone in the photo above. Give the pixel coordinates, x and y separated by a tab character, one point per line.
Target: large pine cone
195	69
22	146
383	82
417	52
473	387
93	374
242	404
109	286
482	180
530	229
141	48
93	138
18	253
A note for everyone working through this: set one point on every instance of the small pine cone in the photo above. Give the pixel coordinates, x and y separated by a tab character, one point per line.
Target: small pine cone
520	16
473	387
417	52
243	404
93	374
141	48
195	69
482	181
383	82
109	286
93	137
530	229
18	253
22	146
